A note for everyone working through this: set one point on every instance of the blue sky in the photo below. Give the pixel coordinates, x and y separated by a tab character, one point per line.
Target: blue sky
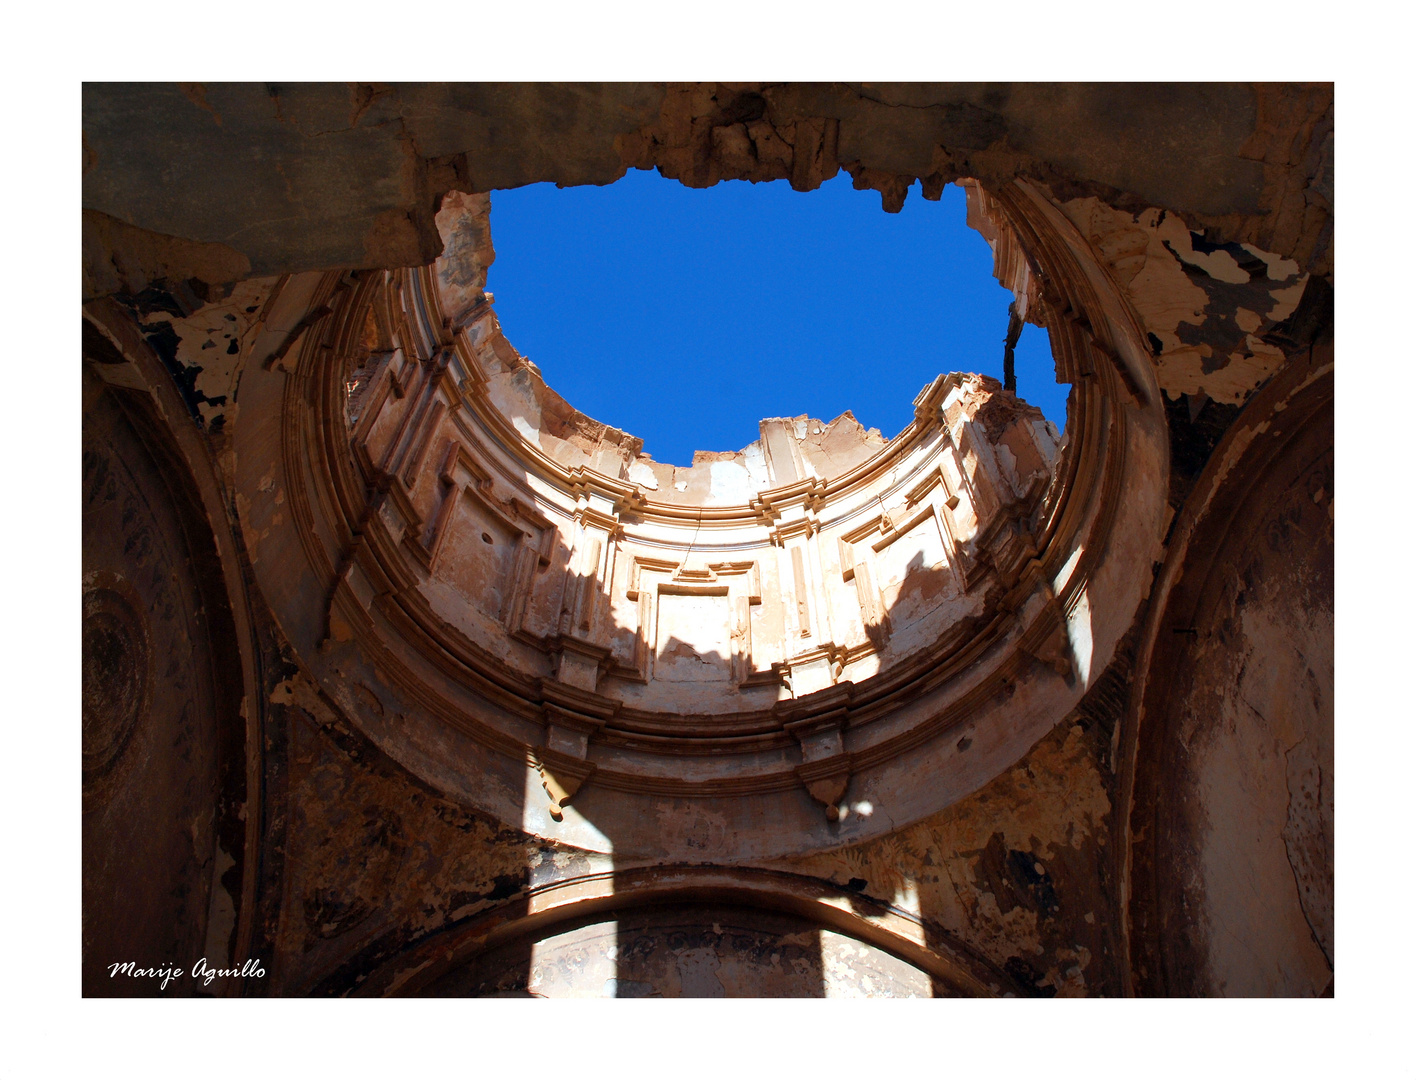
685	316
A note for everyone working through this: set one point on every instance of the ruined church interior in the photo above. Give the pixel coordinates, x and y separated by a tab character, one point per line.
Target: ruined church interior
404	677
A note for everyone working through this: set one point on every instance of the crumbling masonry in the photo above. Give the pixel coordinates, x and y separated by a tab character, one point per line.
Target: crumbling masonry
404	676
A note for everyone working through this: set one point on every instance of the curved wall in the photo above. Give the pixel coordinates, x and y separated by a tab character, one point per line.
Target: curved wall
1228	751
766	655
403	776
171	773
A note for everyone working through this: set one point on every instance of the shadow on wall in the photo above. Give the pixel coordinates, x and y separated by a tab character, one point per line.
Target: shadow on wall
351	912
1233	808
354	874
164	793
500	570
684	948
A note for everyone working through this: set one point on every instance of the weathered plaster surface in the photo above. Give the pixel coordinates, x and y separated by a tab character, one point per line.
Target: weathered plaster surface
350	174
378	862
374	859
1258	736
1230	839
1013	870
394	825
694	951
1205	307
155	715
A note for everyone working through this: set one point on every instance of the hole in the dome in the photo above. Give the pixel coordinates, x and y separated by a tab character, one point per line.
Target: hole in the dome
486	538
685	316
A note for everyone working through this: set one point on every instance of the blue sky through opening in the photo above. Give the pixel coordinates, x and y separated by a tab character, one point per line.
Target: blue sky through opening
685	316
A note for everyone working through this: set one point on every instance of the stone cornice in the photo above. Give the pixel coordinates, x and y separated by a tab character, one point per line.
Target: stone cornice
374	508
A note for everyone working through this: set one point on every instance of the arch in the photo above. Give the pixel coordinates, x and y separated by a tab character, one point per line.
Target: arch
558	905
172	804
1163	285
1225	752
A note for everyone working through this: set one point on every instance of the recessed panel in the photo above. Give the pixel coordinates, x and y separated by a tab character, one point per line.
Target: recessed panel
693	643
477	557
914	573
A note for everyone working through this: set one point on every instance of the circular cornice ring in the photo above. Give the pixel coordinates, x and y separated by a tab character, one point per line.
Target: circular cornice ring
544	690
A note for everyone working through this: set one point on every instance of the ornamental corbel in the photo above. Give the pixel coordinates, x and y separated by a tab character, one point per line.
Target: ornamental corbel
825	770
562	760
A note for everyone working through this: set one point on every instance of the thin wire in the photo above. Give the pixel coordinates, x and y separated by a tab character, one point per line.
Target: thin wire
696	527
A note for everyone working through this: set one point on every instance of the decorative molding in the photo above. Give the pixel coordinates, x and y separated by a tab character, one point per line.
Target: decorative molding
577	605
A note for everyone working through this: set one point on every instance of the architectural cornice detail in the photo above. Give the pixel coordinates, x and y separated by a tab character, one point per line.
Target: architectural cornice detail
506	570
